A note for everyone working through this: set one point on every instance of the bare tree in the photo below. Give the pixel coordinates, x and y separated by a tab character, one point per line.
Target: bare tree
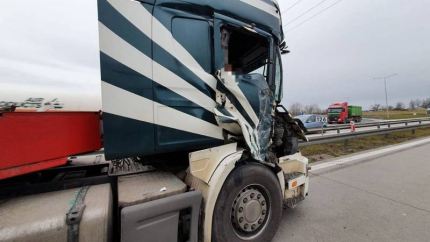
399	106
418	102
426	103
375	107
296	108
312	109
412	105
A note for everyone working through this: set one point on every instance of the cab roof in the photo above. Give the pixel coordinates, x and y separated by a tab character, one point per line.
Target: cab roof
264	14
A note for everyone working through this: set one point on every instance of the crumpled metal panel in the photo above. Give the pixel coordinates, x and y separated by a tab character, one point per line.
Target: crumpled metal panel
286	133
253	118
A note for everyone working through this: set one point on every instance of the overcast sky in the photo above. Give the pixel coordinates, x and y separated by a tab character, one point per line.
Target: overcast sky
49	48
336	55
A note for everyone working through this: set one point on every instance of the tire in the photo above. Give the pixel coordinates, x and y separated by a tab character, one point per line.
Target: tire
256	184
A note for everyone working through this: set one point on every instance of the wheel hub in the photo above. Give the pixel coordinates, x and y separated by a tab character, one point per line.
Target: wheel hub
249	210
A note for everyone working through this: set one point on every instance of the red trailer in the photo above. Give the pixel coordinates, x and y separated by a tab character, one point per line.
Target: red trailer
34	141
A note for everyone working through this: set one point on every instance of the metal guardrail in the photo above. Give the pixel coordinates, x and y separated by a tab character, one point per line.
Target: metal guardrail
370	124
353	135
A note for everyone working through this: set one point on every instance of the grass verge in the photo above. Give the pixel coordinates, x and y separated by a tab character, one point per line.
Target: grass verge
336	149
394	114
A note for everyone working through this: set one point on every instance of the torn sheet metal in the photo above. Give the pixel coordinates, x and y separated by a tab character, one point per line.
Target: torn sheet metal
287	131
240	116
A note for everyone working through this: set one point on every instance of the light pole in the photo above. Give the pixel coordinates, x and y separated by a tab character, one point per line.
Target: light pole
386	94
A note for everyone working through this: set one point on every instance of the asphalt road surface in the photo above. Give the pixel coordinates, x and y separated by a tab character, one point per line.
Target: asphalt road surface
380	199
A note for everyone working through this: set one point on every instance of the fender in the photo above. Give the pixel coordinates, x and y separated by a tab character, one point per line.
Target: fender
208	171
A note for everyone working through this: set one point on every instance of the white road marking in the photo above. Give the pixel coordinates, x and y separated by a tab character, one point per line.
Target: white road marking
370	154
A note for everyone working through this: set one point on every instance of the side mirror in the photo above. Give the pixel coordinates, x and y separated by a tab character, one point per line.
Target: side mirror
284	51
283	47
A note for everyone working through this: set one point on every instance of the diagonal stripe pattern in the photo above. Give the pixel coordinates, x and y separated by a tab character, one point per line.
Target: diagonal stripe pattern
128	35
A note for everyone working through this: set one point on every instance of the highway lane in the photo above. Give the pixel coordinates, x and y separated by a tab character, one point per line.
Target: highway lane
378	199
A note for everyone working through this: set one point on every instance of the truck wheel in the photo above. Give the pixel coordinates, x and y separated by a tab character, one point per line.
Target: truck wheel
249	206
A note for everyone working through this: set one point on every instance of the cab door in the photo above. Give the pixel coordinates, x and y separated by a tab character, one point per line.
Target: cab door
184	87
244	57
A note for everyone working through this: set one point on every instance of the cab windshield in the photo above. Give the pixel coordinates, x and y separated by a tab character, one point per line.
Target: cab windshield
335	110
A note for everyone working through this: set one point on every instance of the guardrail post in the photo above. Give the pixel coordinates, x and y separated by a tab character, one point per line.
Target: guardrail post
379	126
389	125
406	123
338	131
419	122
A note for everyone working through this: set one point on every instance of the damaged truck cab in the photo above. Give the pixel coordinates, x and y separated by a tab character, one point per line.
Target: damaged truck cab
184	59
204	79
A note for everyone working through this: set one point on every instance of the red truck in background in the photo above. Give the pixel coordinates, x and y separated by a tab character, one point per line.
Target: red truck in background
342	113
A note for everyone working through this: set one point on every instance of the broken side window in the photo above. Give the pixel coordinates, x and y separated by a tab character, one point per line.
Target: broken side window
244	81
247	52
